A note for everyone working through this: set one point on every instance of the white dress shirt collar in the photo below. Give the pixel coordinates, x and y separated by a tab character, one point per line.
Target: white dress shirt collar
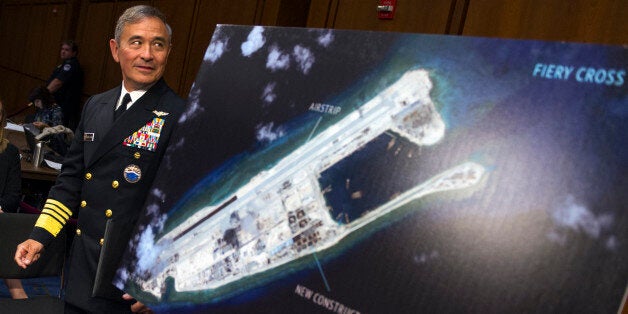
135	95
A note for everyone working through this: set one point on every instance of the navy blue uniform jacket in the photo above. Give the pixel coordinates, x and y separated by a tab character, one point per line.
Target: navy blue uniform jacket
106	175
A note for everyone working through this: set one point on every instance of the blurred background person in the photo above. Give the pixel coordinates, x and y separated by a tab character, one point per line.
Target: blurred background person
47	112
66	84
48	118
10	190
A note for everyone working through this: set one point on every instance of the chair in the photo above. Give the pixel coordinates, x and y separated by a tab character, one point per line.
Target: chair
14	229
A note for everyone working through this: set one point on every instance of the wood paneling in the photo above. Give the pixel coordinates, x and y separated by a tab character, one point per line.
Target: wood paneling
318	13
179	15
13	32
593	21
95	31
10	81
46	39
32	34
14	91
421	16
33	54
289	13
33	29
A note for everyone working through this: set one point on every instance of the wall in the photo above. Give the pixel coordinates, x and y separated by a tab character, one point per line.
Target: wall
31	30
592	21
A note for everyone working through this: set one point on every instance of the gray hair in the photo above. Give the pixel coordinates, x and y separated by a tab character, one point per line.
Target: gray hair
137	13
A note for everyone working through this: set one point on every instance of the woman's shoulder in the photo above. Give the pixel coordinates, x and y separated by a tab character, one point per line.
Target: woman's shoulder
12	149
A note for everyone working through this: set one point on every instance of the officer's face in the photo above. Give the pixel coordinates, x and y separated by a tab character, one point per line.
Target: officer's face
142	52
66	52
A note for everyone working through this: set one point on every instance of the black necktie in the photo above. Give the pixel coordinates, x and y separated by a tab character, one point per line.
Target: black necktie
122	108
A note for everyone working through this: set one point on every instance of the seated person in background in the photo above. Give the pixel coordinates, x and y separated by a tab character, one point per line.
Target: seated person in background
10	190
48	114
49	119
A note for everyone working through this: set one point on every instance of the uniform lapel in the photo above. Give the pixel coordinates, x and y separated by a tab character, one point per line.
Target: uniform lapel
140	113
106	112
100	127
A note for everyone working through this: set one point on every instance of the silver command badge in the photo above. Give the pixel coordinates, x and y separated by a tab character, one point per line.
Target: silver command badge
132	173
160	113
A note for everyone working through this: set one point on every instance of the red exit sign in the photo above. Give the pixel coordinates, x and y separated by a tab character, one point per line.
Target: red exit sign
386	9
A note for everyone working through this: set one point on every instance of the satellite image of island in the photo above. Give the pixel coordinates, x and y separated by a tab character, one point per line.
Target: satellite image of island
333	171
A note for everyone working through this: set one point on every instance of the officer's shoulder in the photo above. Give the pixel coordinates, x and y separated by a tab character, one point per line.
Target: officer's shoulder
172	99
106	94
97	99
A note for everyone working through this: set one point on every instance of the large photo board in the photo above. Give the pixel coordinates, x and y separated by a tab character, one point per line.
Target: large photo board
320	171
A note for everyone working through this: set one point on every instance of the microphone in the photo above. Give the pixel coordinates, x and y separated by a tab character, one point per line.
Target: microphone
30	104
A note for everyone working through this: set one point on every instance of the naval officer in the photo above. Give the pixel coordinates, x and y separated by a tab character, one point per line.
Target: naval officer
112	161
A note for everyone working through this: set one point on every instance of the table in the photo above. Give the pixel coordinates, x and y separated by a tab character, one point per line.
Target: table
30	171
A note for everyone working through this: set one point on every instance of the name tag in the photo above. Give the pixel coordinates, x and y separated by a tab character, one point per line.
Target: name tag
88	137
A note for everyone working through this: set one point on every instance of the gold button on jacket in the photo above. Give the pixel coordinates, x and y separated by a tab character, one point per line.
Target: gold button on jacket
88	176
78	232
115	184
108	213
83	203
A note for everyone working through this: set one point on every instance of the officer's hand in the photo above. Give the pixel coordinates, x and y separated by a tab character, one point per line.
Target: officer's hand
28	252
138	307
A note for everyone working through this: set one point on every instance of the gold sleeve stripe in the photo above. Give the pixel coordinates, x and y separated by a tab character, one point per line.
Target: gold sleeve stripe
58	211
53	216
49	223
59	205
62	220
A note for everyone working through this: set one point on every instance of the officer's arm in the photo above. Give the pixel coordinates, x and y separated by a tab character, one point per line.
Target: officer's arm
64	195
54	85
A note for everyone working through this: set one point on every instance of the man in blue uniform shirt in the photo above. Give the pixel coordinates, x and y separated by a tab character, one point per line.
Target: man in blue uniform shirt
111	164
66	84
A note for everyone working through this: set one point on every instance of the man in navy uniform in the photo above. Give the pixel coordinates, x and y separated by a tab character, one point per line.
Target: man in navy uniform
111	164
66	84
